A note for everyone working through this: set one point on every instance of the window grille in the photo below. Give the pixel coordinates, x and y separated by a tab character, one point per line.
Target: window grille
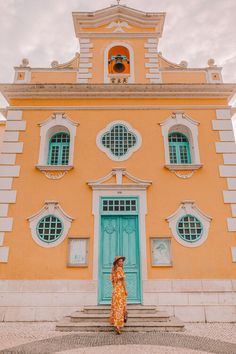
49	228
189	228
119	140
116	205
59	148
179	148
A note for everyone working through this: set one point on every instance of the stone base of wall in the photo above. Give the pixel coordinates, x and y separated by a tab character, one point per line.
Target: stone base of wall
50	300
201	300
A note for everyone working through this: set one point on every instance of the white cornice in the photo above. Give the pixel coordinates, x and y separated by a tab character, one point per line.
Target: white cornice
83	20
121	107
51	70
111	90
109	14
119	35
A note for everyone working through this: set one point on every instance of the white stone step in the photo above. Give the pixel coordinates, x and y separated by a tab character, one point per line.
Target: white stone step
173	325
130	308
145	317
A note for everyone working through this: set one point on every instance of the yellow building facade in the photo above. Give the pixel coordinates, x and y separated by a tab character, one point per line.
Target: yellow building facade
118	151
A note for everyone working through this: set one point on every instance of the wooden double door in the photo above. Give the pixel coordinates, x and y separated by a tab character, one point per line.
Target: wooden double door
119	235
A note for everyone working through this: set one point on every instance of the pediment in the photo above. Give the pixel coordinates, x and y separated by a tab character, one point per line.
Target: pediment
118	18
119	178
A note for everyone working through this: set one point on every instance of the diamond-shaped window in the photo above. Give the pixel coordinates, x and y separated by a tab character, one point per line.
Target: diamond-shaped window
119	141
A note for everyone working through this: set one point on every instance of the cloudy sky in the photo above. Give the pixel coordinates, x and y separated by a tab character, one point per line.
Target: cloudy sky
42	31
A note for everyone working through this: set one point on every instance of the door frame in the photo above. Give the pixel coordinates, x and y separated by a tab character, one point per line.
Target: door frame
120	214
113	184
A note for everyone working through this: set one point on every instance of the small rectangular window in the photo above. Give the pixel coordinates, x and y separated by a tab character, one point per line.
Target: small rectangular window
116	205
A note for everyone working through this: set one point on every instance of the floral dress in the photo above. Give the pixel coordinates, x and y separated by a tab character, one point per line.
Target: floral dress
118	303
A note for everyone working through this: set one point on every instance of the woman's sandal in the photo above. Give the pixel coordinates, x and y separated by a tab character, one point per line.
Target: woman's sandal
118	331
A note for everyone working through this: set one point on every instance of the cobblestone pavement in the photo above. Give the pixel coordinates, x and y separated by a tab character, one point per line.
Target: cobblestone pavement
41	338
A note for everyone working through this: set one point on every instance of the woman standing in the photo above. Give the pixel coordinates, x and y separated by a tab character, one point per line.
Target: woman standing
119	294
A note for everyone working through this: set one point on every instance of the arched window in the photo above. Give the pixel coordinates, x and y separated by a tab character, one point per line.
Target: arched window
179	148
59	149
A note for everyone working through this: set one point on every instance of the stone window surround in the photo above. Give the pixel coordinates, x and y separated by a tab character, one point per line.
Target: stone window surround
57	122
189	207
130	151
50	208
179	122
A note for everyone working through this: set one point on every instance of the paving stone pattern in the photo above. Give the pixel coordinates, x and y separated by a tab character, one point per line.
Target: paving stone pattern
83	340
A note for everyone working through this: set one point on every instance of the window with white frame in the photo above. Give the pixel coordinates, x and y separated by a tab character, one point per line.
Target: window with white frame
180	135
118	140
50	225
189	225
57	138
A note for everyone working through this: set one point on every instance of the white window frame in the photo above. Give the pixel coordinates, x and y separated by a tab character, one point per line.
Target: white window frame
130	151
179	122
50	208
56	123
189	207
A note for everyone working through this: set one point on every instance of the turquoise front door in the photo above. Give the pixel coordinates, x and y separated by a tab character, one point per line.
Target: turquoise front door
119	236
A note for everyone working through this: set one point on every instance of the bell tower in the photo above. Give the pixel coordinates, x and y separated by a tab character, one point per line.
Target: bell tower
119	45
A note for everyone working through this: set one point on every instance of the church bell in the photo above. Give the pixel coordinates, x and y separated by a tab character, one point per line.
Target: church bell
118	62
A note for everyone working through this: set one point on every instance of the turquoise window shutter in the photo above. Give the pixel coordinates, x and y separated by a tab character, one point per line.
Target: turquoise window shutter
59	149
179	150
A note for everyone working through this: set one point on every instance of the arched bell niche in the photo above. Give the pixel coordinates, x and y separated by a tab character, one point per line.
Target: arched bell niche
119	60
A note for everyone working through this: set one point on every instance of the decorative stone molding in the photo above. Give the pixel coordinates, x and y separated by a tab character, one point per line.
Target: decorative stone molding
184	174
119	26
189	207
114	14
179	167
11	146
4	253
180	122
101	90
183	171
233	253
130	151
56	123
54	172
214	75
50	208
153	74
227	147
85	62
22	75
119	173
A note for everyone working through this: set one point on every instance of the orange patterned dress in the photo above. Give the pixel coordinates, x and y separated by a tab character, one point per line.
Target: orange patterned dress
118	303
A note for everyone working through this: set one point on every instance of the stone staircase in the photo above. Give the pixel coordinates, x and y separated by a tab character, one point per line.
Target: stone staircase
140	319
